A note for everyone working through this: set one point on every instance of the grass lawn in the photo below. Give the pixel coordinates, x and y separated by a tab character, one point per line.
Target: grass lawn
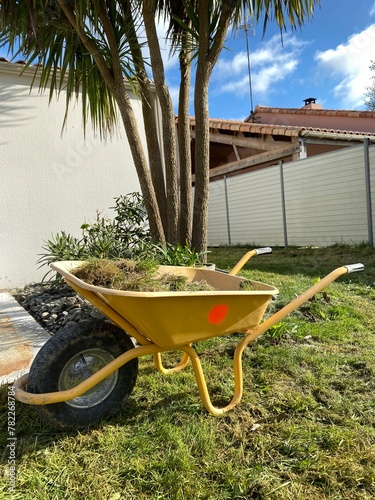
305	428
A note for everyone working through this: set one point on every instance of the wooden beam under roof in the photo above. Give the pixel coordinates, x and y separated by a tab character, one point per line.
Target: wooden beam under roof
235	149
246	142
254	160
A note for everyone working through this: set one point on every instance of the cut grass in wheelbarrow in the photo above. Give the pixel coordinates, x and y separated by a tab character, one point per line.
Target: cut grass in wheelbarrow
137	276
86	372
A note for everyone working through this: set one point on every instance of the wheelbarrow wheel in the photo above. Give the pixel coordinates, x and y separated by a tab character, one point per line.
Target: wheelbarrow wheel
71	356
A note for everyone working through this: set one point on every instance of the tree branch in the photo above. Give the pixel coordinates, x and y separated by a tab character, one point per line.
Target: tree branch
221	31
88	43
112	42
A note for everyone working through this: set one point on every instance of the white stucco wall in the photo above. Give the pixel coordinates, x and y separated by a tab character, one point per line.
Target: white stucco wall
50	182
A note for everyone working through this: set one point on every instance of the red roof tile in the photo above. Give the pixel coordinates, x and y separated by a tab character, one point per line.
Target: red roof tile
319	112
268	129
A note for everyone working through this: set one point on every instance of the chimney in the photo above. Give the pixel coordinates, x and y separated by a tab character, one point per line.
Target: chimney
310	103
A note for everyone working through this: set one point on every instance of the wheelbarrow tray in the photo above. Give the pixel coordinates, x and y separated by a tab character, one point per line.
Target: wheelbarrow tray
172	319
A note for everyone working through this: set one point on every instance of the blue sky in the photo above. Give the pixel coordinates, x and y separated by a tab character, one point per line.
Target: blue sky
328	58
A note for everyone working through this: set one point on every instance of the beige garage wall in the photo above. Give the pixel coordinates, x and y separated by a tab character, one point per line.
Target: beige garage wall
50	182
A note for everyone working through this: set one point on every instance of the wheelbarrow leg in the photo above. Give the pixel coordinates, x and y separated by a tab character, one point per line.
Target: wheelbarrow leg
201	382
251	335
166	371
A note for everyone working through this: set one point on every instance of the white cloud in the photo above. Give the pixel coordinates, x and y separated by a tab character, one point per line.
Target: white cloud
350	62
270	64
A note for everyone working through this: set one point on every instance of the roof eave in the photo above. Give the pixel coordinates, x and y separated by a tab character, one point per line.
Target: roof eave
340	136
20	70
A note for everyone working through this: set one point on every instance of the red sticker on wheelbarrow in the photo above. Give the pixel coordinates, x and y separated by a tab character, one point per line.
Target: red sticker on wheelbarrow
217	314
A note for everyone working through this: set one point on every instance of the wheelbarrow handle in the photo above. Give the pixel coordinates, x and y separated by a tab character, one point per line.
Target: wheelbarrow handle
247	256
260	251
354	268
301	299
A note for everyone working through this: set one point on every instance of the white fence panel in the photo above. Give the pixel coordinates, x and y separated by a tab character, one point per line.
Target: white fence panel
255	209
326	199
217	215
372	184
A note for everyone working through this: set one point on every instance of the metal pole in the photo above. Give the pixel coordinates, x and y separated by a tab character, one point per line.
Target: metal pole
366	144
283	207
227	209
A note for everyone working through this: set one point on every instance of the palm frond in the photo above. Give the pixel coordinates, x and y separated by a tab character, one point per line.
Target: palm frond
39	32
284	12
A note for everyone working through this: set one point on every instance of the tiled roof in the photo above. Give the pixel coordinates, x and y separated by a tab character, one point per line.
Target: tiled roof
267	129
312	111
4	59
255	128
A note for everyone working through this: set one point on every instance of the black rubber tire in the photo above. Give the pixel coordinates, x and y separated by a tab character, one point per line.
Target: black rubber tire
100	341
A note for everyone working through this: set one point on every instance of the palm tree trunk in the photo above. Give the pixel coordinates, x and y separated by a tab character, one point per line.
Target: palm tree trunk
168	122
135	143
148	112
202	161
207	57
186	216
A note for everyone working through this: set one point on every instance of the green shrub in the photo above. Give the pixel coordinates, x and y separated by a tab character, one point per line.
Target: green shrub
124	236
105	238
173	255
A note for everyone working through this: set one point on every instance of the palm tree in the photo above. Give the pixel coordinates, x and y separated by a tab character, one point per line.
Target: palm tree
90	46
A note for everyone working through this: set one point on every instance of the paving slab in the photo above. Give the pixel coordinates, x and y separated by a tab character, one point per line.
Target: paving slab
21	337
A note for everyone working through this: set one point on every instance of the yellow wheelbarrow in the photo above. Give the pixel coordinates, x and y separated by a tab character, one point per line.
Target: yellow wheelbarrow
85	372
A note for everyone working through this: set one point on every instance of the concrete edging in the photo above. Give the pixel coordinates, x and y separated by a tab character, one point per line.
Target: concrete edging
21	337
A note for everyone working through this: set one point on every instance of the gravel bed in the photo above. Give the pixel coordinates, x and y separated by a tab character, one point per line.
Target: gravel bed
55	306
